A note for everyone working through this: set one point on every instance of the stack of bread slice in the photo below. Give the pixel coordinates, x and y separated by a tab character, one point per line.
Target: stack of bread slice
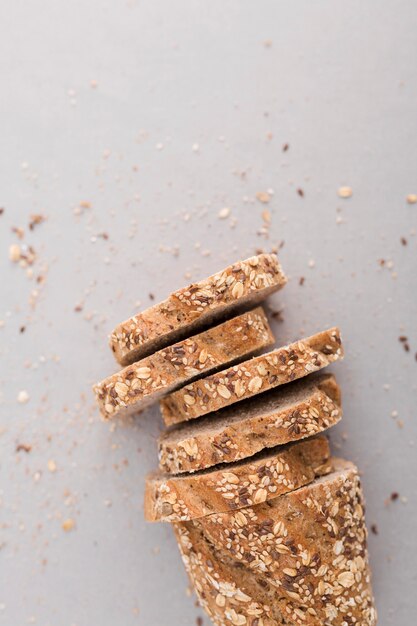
270	526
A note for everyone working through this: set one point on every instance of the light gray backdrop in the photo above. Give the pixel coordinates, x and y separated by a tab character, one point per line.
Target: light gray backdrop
130	124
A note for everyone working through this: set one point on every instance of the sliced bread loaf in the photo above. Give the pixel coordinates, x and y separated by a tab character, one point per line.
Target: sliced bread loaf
230	487
289	413
249	378
310	544
238	287
142	383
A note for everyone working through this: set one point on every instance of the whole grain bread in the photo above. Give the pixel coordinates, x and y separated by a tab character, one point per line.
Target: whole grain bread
238	287
230	487
142	383
285	414
229	593
249	378
310	544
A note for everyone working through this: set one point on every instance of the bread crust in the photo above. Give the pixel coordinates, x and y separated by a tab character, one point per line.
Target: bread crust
132	389
230	594
290	413
310	544
247	379
236	288
234	486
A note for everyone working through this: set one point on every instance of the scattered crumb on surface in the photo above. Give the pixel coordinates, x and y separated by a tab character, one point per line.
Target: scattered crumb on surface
263	196
344	192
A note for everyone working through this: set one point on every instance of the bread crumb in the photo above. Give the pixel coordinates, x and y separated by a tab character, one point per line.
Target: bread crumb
412	198
51	466
263	196
35	220
345	192
266	216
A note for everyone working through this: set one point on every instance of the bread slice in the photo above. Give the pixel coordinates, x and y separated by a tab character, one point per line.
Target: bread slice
238	287
310	544
286	414
230	487
249	378
142	383
229	593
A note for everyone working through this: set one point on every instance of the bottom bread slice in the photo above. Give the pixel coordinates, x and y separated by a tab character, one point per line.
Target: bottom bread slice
263	477
310	545
230	594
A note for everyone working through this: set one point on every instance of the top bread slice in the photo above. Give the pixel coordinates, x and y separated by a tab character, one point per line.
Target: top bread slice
289	413
310	544
249	378
142	383
229	487
237	288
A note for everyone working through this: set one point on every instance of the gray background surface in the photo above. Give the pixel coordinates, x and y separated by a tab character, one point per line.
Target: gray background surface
236	80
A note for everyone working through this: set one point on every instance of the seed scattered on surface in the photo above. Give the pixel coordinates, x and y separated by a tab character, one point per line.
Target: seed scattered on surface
14	253
23	397
51	466
224	213
345	192
412	198
68	525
